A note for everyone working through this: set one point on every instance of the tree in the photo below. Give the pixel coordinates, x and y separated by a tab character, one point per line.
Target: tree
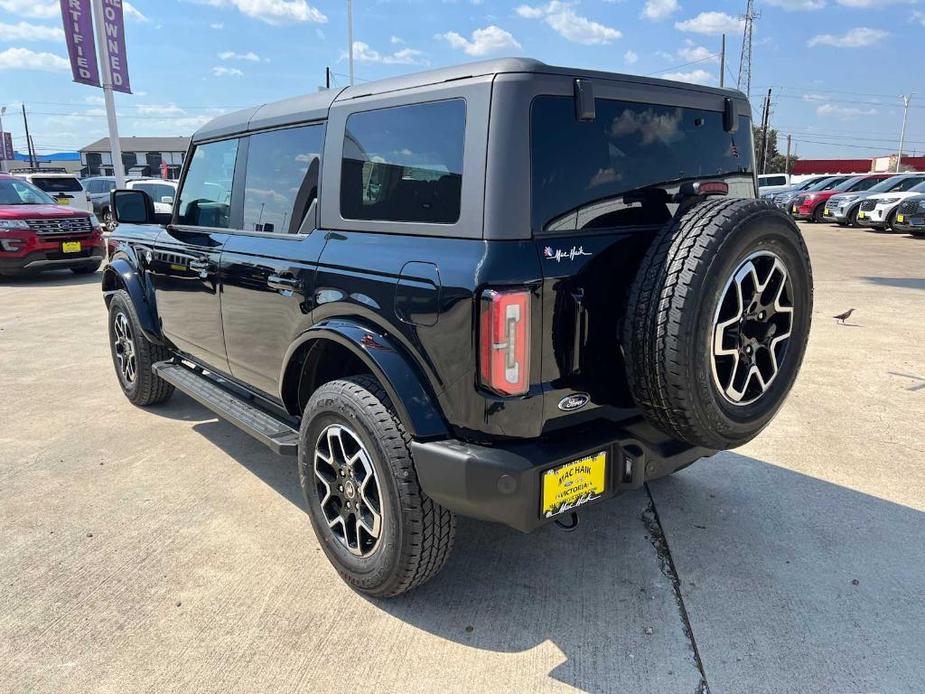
777	162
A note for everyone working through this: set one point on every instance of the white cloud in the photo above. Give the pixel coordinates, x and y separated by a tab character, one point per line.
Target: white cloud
159	110
362	53
630	57
23	31
692	53
694	76
813	97
24	59
919	16
798	5
875	3
657	10
711	23
32	9
395	40
218	26
563	19
273	11
231	55
858	37
131	12
844	112
491	38
221	71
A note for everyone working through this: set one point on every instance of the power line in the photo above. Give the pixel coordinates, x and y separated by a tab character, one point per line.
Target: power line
678	67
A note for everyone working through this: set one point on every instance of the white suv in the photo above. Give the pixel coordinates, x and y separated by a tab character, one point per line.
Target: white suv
65	188
162	192
878	211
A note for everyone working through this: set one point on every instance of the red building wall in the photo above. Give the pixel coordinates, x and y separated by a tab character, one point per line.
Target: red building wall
821	166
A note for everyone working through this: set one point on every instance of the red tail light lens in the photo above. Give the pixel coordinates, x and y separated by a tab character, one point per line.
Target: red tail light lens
504	348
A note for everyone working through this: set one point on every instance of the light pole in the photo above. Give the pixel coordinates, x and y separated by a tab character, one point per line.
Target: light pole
115	146
902	134
350	38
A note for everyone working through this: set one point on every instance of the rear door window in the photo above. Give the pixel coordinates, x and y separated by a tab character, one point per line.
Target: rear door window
282	178
157	191
54	184
206	196
622	168
404	164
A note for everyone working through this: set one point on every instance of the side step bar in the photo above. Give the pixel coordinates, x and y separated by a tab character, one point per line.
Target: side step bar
272	432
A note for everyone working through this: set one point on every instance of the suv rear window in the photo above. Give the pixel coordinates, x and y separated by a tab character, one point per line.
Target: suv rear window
52	184
404	164
620	169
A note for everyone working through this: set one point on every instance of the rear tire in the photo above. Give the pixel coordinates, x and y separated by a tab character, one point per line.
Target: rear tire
713	347
133	356
817	215
389	541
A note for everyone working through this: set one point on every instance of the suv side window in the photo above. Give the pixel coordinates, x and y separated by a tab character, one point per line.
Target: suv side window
404	164
157	191
282	178
205	199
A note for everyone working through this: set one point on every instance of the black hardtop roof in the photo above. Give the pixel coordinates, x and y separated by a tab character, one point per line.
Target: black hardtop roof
315	106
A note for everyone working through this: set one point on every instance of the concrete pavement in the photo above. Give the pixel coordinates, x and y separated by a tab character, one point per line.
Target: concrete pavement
164	550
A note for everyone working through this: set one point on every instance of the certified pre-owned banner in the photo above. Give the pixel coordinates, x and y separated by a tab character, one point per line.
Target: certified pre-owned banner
78	32
113	22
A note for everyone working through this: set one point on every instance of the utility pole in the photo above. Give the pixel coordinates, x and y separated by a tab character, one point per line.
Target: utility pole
745	59
722	63
34	154
25	122
350	37
2	140
902	135
327	78
114	145
765	116
787	164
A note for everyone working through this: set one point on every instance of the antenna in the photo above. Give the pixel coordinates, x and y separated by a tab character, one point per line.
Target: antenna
745	61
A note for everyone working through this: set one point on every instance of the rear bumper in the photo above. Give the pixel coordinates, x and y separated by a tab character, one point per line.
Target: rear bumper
503	483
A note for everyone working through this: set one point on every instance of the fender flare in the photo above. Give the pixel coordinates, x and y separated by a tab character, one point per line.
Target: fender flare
122	274
414	405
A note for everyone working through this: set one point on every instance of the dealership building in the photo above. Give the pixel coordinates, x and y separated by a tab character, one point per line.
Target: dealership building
161	157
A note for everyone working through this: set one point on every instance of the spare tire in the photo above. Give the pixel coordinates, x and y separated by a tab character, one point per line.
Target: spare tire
717	321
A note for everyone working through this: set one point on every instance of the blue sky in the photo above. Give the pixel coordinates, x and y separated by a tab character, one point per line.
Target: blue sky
192	59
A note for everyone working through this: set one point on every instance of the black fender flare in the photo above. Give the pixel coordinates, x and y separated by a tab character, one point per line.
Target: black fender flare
122	274
414	405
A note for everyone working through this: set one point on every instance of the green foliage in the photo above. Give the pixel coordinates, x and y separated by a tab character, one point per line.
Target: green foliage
777	161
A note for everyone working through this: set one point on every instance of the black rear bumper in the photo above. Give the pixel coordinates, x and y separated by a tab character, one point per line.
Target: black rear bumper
502	483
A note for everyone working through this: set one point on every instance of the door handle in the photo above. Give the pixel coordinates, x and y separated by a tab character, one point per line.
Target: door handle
284	284
200	266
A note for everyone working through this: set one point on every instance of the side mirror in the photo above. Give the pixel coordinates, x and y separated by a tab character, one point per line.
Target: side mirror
132	207
167	199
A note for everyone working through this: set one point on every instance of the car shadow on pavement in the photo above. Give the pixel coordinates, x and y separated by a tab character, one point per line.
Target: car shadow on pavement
790	583
55	278
898	282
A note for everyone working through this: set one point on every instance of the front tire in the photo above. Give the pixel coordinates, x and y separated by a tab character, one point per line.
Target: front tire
133	356
375	524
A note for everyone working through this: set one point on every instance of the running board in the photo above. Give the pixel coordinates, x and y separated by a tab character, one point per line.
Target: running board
270	431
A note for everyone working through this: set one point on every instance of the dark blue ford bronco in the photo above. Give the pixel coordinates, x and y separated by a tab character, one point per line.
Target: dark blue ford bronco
503	289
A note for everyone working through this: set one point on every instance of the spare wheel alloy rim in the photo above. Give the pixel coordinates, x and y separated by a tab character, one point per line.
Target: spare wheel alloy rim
348	490
752	326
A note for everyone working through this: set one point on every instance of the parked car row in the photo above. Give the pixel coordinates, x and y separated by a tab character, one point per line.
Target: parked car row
883	201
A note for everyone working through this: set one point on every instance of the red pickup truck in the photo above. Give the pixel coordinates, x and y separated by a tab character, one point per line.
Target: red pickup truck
36	234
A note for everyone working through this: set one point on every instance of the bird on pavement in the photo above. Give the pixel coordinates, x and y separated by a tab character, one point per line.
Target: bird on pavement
842	317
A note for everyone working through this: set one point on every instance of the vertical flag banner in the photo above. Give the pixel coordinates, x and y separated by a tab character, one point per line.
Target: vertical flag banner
114	23
78	33
6	146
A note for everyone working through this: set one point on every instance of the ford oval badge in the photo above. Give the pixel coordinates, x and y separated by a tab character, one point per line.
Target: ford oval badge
573	402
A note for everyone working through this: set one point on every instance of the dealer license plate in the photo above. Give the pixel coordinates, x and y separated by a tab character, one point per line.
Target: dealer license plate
795	209
70	247
574	484
900	218
63	201
862	215
826	213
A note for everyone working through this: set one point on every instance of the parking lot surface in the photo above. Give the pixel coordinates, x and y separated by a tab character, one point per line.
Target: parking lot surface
163	550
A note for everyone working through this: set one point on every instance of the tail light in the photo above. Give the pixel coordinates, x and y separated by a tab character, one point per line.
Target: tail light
504	341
